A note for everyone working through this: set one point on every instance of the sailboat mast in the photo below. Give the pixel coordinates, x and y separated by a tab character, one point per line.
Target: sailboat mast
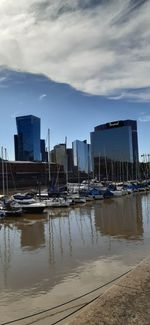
3	180
99	168
6	171
78	169
106	169
66	163
49	157
112	170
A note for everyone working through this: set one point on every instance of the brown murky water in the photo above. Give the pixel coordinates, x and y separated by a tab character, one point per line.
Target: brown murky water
48	259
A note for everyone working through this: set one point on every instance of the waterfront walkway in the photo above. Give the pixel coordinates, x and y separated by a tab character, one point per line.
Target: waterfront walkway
126	302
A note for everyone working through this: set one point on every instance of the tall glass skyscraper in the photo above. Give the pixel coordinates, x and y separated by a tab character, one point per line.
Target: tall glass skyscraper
82	155
27	140
116	141
44	153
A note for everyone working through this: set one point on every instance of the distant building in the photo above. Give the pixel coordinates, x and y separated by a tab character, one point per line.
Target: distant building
44	153
82	156
70	165
28	173
59	155
27	140
115	142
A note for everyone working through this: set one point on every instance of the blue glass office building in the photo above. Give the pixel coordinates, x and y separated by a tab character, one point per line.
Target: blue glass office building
116	141
44	153
27	140
82	155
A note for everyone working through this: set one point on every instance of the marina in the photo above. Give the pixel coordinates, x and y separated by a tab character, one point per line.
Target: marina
49	258
75	162
33	202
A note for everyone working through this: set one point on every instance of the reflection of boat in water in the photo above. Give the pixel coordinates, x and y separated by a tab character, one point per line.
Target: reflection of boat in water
58	212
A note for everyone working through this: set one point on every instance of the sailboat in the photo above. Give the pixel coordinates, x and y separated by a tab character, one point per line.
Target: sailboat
6	208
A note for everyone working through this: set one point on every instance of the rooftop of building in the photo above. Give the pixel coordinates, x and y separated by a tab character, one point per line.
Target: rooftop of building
30	162
116	124
27	116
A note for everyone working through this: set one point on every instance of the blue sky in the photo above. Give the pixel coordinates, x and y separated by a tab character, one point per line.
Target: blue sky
75	64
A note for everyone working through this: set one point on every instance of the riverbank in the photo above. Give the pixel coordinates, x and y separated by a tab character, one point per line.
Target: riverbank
126	302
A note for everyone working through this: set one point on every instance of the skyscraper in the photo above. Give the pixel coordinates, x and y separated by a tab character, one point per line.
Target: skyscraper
82	155
115	141
70	164
27	140
59	155
44	153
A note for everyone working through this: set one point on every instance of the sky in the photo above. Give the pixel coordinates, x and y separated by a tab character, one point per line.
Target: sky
75	64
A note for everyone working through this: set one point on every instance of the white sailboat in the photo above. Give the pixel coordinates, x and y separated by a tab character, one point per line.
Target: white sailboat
7	209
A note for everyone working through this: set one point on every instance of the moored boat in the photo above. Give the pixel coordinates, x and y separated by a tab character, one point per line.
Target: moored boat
57	203
2	214
37	207
10	210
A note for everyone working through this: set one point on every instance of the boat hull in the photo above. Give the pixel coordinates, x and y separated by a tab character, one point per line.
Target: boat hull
10	214
30	209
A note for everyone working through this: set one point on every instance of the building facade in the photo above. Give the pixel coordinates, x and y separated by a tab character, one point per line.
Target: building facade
44	153
59	155
70	165
27	140
27	173
115	142
82	156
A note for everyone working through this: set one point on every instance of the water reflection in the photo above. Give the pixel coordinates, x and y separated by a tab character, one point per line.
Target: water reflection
39	253
32	235
121	217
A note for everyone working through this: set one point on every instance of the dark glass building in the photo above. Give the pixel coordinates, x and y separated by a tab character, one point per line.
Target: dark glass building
70	164
44	153
115	142
27	140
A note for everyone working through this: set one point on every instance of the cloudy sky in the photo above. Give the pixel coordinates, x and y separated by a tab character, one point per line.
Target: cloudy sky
75	64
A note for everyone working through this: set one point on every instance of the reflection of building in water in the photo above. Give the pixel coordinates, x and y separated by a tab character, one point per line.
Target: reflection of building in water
32	235
120	217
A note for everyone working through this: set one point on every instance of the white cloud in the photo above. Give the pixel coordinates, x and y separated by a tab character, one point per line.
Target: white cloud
98	47
42	96
134	95
2	82
2	79
144	118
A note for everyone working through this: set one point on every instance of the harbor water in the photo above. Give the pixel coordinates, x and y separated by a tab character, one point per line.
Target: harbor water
50	258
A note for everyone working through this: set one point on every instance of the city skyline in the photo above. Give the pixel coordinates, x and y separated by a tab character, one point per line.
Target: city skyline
62	127
75	65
